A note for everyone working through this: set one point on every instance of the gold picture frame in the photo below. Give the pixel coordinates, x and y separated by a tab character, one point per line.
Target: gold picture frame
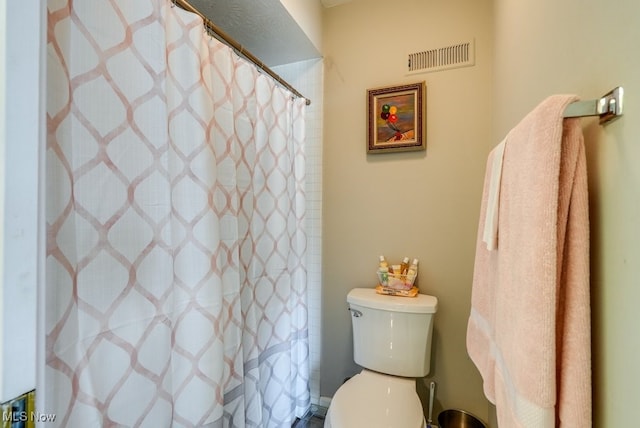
396	118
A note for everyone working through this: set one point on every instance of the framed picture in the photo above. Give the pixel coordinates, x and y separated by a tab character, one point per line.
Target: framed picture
396	118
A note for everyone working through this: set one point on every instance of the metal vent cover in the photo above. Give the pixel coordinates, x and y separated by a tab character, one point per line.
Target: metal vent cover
454	56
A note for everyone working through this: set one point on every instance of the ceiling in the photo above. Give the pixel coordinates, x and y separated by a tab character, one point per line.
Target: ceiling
263	27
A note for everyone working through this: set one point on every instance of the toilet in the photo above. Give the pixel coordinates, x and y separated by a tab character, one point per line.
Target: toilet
392	342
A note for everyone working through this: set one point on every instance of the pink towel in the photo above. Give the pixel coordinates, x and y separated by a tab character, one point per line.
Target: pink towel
529	327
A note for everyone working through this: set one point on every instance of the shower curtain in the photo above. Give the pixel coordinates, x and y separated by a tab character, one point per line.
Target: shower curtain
176	246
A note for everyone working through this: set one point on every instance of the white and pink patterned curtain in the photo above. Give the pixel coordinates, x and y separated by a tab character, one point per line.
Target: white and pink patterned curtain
176	246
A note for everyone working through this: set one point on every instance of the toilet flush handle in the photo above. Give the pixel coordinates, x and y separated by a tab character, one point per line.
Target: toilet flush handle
355	313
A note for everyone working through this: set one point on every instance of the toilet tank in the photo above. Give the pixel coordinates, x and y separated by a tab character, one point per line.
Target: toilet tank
392	334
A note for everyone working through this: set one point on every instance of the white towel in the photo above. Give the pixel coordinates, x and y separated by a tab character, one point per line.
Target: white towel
490	235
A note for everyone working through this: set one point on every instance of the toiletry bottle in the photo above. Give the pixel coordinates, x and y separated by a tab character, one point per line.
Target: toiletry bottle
412	272
383	262
383	276
404	266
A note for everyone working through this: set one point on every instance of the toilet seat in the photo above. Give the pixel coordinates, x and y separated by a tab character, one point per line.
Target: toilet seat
376	400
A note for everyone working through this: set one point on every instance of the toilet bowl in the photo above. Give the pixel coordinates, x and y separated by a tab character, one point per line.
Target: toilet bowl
371	399
392	342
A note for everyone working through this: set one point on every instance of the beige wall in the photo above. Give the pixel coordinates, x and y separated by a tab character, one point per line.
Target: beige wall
419	204
588	47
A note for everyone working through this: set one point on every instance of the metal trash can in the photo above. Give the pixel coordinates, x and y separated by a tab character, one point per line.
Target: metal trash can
455	418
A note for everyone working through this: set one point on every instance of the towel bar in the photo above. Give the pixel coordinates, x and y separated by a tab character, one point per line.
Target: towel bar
609	107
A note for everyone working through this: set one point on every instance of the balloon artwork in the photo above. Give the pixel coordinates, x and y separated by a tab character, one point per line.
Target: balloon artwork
388	114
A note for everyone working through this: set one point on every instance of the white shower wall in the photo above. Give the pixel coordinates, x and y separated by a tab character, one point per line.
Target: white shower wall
307	78
22	129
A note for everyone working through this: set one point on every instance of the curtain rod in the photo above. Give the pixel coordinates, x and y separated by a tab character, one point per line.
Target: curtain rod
184	4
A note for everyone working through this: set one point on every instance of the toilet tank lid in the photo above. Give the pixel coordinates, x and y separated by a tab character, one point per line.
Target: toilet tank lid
368	298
